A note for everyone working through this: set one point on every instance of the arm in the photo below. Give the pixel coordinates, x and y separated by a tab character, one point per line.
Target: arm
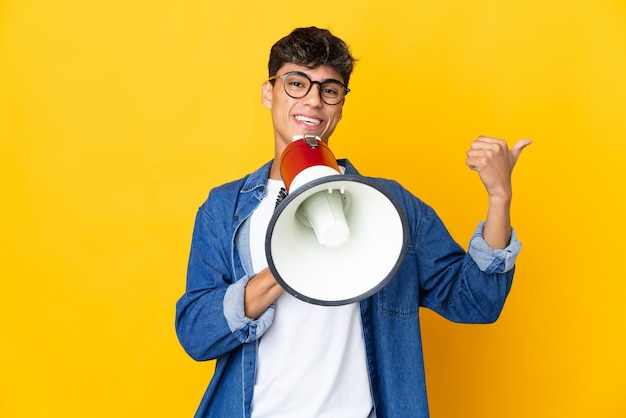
477	297
261	291
447	279
210	317
494	162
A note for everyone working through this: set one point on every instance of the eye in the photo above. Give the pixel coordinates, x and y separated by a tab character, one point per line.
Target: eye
331	89
297	82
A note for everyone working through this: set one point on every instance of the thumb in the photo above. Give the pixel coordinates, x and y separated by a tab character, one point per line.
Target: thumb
519	146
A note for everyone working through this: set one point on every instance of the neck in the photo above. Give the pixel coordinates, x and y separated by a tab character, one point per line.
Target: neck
275	170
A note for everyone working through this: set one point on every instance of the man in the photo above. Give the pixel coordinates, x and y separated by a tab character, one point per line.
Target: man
278	356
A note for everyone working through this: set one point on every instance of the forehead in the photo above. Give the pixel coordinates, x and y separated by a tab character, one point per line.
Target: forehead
321	73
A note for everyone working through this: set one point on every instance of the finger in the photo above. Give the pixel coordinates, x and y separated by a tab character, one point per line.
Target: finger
490	139
487	142
472	164
519	146
476	153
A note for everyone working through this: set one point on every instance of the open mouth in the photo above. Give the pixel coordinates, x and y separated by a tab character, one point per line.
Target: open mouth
308	121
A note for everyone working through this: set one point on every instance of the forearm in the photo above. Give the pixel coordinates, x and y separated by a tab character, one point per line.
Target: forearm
497	231
261	291
494	162
199	328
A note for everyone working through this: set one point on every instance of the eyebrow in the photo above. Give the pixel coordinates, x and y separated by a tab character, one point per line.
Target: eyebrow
332	80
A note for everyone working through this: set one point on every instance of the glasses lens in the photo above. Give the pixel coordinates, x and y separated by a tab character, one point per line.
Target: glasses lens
332	92
297	85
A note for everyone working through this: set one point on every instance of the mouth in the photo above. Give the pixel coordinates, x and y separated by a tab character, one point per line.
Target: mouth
307	121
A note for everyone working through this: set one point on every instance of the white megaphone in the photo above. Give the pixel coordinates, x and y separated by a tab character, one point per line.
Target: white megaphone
334	239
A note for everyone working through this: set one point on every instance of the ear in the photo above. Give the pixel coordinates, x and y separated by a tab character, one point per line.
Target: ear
267	90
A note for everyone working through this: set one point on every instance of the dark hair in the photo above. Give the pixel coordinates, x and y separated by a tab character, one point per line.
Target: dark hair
312	47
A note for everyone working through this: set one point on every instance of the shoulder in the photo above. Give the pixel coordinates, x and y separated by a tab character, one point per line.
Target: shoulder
223	196
413	206
251	181
392	186
229	192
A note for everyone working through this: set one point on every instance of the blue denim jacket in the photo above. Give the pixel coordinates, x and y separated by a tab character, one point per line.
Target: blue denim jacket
436	273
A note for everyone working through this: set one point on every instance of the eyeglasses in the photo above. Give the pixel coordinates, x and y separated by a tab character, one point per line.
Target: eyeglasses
297	85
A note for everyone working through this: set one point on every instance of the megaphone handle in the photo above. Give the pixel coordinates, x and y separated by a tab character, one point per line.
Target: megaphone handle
282	194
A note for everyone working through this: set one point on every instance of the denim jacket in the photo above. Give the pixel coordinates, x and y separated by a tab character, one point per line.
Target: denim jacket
436	273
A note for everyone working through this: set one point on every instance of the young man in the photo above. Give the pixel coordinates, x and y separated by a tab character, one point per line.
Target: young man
278	356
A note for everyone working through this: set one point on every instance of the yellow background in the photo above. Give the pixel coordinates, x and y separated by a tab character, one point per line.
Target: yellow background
117	117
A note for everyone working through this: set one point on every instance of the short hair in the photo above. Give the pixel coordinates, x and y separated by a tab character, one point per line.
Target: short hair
312	47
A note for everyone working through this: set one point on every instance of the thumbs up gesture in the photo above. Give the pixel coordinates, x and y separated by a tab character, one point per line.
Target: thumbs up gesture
494	162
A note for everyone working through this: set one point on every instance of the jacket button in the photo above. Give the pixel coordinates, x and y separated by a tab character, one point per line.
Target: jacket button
236	218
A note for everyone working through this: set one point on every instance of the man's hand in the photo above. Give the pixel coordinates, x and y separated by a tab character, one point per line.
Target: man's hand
494	162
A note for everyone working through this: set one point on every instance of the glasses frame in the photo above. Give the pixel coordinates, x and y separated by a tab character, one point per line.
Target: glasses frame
346	90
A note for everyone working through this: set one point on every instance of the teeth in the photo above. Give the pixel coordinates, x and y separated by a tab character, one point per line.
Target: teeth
308	121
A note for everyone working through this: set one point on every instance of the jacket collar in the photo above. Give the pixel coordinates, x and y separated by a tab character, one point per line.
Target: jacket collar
258	180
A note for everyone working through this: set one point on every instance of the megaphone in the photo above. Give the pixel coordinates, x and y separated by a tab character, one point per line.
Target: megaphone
335	238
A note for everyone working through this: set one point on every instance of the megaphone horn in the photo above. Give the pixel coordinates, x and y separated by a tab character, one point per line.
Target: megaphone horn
335	238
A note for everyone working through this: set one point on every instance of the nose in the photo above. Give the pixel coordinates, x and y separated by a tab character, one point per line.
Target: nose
314	96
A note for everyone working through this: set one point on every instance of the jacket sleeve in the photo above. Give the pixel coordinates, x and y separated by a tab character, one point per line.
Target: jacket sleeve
493	260
210	318
451	282
448	279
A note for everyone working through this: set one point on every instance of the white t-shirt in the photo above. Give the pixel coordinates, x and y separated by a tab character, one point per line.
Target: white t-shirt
311	361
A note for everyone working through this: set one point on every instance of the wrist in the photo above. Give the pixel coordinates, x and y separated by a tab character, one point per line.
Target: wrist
500	199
